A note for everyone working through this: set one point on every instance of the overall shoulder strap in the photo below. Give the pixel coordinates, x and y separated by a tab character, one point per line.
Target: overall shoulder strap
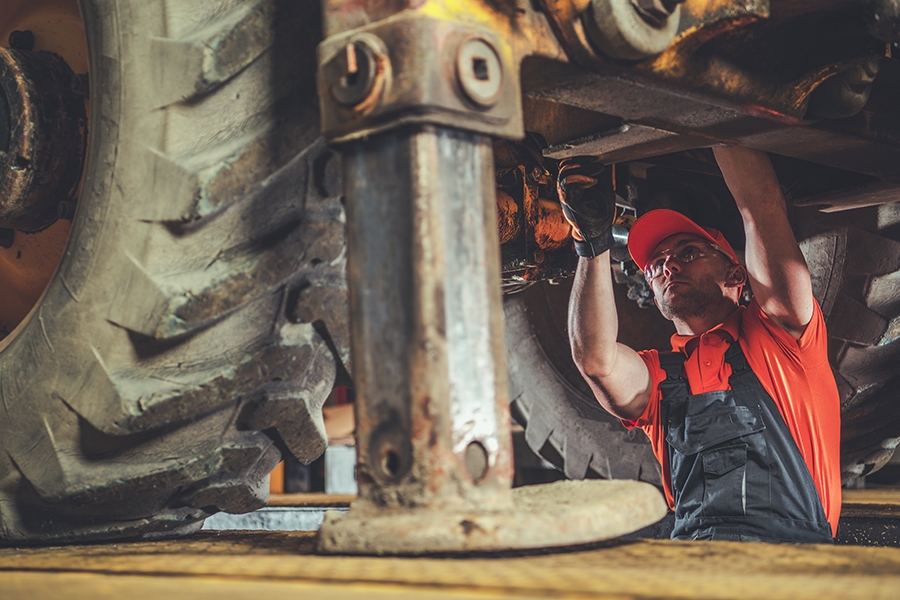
734	356
742	376
674	383
673	364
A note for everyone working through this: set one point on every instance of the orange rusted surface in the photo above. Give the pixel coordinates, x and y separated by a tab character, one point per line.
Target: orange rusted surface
56	25
551	230
507	217
26	267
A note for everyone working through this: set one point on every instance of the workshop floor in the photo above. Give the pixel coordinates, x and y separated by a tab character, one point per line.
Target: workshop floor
268	565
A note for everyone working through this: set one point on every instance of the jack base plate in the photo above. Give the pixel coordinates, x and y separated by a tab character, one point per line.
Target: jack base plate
559	514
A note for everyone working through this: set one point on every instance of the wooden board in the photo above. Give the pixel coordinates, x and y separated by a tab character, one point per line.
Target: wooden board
878	501
275	564
330	500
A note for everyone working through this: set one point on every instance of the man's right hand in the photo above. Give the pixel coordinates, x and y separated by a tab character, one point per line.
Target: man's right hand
588	205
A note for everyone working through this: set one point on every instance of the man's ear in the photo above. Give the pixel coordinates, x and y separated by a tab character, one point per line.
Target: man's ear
737	276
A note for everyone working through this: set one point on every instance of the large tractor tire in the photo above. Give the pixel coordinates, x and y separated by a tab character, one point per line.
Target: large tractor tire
175	352
854	260
563	422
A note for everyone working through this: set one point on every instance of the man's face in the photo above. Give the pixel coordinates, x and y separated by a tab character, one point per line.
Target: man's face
687	275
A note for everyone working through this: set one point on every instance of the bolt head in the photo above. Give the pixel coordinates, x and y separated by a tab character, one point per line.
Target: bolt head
479	72
352	73
21	40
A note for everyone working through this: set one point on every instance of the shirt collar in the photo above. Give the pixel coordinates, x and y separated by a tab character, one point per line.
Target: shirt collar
729	330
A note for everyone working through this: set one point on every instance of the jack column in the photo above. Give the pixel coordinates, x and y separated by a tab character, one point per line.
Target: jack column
412	103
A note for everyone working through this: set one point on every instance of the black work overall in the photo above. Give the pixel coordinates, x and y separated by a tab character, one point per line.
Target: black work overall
736	471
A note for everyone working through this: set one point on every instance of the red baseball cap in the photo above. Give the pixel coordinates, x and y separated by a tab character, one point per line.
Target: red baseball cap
657	225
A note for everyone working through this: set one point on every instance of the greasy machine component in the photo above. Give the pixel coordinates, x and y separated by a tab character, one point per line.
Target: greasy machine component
734	73
42	138
632	29
433	439
47	30
846	92
535	238
483	95
178	350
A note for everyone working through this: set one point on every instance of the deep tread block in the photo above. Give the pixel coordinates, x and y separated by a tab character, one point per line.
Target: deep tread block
289	241
198	64
855	275
852	321
562	421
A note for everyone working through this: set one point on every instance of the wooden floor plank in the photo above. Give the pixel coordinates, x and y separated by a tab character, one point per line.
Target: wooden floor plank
640	569
317	499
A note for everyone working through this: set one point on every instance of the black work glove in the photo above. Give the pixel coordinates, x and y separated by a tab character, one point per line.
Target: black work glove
588	205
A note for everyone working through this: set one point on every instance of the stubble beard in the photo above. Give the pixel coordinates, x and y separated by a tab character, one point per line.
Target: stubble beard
690	301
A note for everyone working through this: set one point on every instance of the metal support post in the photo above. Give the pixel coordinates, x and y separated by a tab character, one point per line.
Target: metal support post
433	442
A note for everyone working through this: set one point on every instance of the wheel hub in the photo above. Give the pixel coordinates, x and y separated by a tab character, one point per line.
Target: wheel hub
42	138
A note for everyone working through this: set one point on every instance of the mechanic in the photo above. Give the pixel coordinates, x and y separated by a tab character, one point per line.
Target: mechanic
744	414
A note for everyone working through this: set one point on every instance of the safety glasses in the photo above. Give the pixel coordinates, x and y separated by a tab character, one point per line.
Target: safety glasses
684	252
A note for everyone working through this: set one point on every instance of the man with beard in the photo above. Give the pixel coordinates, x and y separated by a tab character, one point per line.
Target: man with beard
744	414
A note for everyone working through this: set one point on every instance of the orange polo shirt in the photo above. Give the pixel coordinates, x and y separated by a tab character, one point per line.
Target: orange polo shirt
795	373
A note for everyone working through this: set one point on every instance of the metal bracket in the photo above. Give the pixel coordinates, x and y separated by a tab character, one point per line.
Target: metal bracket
416	69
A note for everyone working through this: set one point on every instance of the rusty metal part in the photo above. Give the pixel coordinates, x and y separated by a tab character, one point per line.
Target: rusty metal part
433	440
479	72
351	74
631	29
845	93
452	75
731	68
551	230
5	122
47	134
563	513
656	11
21	40
507	217
541	247
30	261
429	367
870	194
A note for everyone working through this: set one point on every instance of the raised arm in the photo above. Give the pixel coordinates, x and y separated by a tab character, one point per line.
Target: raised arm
778	272
618	377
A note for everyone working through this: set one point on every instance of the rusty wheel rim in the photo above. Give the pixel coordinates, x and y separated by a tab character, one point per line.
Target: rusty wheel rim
29	260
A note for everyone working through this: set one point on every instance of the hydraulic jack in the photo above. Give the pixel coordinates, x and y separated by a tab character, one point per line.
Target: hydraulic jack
412	101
